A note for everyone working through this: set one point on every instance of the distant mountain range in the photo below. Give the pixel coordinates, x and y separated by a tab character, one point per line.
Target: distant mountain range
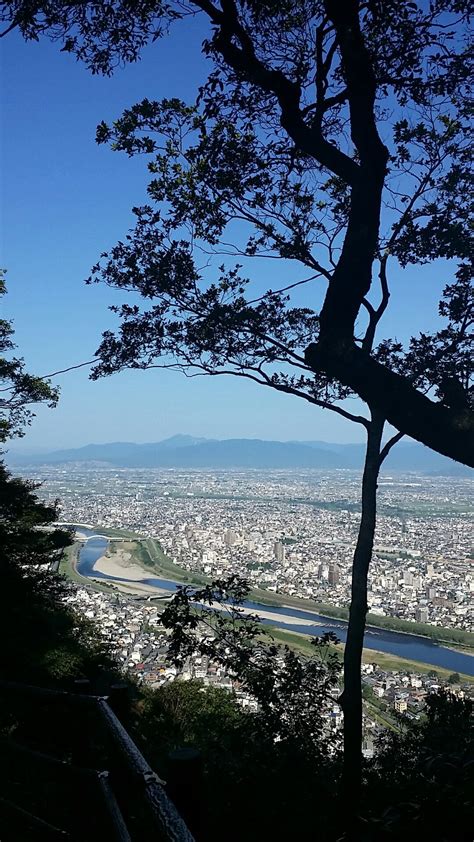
182	451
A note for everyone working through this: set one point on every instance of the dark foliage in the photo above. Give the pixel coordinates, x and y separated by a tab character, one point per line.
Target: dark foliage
330	134
424	775
294	693
285	752
18	389
252	786
44	642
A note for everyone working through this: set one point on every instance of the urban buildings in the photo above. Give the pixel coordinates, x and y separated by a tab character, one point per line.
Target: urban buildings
294	531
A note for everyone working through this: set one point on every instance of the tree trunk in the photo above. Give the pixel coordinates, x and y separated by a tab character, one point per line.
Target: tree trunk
351	699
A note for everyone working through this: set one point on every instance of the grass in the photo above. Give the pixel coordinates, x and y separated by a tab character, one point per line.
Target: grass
112	532
382	717
389	663
150	553
67	565
452	637
394	663
298	641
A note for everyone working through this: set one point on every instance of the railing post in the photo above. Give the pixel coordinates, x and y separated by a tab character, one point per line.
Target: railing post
82	686
184	785
80	753
119	700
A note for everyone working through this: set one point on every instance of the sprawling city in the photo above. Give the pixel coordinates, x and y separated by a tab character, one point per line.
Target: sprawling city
289	533
293	532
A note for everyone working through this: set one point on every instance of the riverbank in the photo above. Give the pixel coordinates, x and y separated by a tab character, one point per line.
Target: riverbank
389	663
162	566
132	589
398	648
454	639
274	618
118	565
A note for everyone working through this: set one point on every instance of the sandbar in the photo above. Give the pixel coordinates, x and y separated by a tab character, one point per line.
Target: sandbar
276	618
118	567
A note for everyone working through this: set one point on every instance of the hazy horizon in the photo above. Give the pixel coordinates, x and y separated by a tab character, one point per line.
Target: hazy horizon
26	447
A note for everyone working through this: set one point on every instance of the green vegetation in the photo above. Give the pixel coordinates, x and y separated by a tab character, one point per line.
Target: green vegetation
396	664
67	568
44	641
302	643
115	532
299	642
150	553
163	567
259	565
428	763
438	633
390	555
441	635
244	768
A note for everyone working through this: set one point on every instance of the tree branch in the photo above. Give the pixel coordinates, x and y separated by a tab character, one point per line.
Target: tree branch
448	431
352	276
243	60
388	446
9	29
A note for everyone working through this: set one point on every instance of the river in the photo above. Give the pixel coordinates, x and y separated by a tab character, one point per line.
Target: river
409	646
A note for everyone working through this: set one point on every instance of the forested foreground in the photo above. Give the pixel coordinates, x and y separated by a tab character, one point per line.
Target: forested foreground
274	773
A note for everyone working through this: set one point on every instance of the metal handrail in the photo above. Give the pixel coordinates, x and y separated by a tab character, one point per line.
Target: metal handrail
101	779
19	815
169	822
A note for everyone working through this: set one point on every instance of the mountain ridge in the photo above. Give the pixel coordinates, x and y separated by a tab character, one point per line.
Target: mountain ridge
185	451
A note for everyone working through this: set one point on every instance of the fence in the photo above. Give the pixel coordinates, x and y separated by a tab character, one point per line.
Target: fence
126	802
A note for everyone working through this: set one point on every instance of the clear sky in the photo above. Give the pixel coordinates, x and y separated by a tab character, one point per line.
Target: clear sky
64	201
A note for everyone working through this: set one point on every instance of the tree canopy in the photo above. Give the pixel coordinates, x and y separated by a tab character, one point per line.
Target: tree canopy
295	694
46	641
19	390
329	135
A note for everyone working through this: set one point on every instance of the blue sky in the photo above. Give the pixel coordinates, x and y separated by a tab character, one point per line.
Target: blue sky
64	200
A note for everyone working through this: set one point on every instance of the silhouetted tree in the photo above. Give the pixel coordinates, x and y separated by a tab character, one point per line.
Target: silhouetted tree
299	91
18	389
330	135
252	784
287	751
422	777
294	693
25	538
43	640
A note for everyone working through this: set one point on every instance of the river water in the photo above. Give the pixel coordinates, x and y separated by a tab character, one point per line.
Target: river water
409	646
